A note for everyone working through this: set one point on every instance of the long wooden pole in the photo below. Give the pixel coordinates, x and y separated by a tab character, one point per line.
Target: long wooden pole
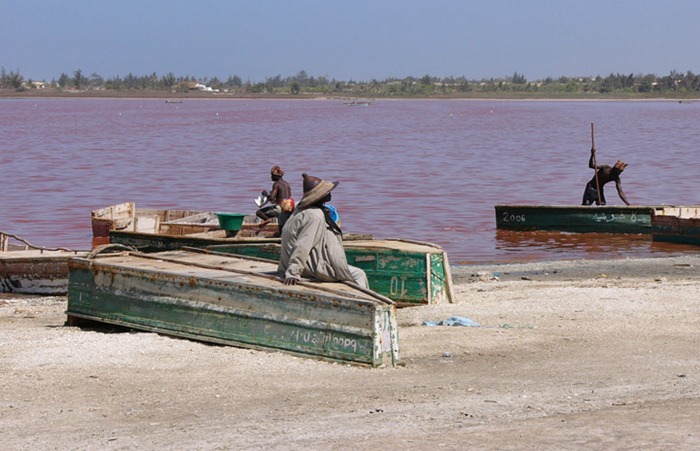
595	165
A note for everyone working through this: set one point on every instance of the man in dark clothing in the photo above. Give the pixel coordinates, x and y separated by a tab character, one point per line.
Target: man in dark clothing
603	175
280	199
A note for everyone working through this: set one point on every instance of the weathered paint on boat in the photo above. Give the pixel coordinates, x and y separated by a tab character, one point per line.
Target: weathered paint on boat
603	219
408	272
235	301
679	225
36	271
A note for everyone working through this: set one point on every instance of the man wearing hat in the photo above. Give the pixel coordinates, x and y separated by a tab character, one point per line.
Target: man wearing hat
312	242
280	199
603	175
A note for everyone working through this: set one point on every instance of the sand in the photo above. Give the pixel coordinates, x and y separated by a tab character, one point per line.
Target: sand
568	355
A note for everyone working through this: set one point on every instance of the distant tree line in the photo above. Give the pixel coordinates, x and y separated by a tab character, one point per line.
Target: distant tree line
673	84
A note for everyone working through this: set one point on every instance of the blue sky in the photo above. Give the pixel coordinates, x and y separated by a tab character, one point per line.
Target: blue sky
349	40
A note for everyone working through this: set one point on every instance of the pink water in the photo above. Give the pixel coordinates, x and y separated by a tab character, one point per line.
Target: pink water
429	170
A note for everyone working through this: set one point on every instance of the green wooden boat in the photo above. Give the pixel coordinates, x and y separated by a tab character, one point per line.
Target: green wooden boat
679	225
408	272
234	301
580	219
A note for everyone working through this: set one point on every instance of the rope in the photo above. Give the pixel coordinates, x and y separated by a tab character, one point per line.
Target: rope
32	246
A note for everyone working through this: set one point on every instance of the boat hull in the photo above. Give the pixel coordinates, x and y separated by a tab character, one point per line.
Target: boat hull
36	271
680	226
578	219
234	301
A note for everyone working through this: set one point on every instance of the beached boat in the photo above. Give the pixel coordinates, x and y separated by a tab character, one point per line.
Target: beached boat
234	301
28	269
126	217
679	225
408	272
603	219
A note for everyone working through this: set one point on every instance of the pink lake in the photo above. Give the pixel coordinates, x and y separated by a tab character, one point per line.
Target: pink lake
428	170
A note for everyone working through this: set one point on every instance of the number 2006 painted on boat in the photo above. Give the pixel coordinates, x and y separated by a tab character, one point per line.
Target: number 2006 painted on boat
509	217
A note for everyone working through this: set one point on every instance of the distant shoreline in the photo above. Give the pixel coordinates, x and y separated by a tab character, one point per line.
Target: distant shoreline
178	96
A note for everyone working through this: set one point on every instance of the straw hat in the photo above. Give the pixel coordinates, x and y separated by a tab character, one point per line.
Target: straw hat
315	189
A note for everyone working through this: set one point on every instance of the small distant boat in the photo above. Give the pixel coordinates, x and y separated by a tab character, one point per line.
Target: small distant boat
29	269
680	225
579	219
234	301
358	103
173	101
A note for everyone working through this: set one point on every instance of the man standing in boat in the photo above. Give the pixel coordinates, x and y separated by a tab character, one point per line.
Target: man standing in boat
280	199
594	192
312	242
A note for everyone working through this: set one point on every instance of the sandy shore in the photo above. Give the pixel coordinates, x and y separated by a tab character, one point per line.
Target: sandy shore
568	355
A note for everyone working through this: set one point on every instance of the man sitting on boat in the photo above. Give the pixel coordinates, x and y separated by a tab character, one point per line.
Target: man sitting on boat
603	175
280	199
312	242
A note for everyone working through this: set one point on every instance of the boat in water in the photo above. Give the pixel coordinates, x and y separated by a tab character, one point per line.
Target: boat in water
680	225
579	219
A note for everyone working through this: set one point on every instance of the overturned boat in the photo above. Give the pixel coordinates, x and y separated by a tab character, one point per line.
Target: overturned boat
234	301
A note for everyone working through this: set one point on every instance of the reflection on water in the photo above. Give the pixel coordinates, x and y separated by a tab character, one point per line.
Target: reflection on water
427	170
547	245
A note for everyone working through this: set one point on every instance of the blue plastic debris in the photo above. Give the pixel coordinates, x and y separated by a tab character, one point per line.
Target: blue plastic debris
453	321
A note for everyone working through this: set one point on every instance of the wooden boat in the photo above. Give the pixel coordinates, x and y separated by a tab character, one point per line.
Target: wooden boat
604	219
679	225
234	301
408	272
126	217
28	269
358	103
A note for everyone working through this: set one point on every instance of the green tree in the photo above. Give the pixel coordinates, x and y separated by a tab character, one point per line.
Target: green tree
95	80
63	80
79	79
168	80
518	79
